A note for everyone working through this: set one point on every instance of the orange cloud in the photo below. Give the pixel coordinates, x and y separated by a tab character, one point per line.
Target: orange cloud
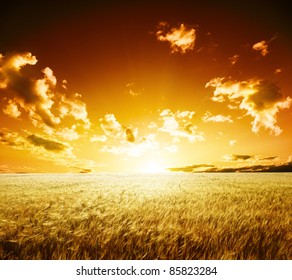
50	145
72	105
52	150
13	140
132	90
261	99
262	47
68	133
234	59
181	39
44	103
12	109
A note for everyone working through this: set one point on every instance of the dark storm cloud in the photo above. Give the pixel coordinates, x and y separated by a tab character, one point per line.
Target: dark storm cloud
49	145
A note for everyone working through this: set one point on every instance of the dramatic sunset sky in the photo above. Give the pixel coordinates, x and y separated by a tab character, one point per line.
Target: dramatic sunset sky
148	87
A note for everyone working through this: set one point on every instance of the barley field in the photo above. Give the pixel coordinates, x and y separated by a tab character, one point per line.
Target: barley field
160	216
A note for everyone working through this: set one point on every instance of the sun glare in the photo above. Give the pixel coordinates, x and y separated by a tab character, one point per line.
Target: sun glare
153	167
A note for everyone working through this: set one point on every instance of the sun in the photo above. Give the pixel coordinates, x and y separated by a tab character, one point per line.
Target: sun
153	167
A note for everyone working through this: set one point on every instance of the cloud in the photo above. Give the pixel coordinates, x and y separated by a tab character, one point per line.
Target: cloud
261	99
124	140
69	134
181	39
208	117
191	168
270	158
12	109
153	125
72	105
58	152
171	148
119	139
232	142
284	167
179	125
49	145
5	169
13	139
98	138
45	103
278	71
234	59
132	90
110	126
144	145
130	135
82	170
262	47
32	95
114	130
27	141
237	157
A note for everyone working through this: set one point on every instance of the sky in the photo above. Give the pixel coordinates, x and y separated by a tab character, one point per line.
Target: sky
145	87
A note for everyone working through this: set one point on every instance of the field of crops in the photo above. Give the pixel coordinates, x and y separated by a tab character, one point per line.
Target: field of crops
159	216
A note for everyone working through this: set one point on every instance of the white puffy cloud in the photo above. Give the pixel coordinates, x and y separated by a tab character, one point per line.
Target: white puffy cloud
208	117
72	105
144	145
98	138
181	39
68	133
261	99
123	140
114	130
180	125
110	126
